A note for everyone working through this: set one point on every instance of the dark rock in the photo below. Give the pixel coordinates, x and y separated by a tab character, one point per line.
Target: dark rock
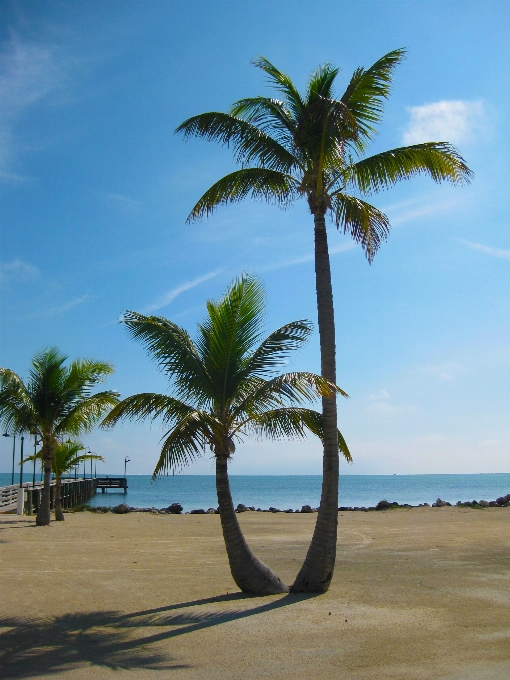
251	507
200	511
241	508
271	509
121	509
493	504
289	510
306	508
384	505
174	509
211	511
502	500
484	504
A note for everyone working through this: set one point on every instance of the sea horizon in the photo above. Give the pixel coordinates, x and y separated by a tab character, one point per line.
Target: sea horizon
285	492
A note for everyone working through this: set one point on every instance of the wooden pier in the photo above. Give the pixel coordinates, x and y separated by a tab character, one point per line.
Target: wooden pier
105	483
26	500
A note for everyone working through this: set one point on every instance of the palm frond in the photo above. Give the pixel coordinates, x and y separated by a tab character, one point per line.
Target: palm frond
183	444
261	183
320	83
293	423
250	144
231	331
275	348
17	413
440	160
292	388
148	405
367	90
364	223
283	83
269	115
86	413
174	351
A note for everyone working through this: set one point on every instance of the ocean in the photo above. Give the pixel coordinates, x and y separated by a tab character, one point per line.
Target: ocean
293	491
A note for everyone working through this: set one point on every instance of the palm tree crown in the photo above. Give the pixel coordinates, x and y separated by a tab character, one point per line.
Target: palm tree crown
224	381
312	145
56	400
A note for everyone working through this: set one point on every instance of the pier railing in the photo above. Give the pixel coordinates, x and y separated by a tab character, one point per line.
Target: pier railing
26	500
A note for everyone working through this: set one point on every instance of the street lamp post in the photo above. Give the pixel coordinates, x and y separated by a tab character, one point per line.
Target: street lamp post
6	434
21	463
126	461
36	442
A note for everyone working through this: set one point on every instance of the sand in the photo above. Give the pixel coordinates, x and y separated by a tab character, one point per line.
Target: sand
421	593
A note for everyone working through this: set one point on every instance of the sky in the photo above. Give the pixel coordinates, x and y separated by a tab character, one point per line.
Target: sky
96	188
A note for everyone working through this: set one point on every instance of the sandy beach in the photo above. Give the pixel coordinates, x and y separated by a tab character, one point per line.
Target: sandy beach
421	593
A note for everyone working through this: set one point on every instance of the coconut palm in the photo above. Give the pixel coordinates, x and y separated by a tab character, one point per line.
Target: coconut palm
55	401
313	146
66	457
225	389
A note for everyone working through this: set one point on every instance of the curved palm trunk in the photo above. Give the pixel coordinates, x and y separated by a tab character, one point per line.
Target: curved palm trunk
317	570
44	514
249	573
59	513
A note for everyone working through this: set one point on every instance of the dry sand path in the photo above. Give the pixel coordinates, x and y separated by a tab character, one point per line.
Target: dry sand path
417	594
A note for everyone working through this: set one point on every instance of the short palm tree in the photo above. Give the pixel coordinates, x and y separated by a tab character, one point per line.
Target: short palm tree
225	390
313	146
55	401
66	457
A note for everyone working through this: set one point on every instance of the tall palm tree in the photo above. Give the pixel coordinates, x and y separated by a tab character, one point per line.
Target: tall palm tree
55	401
225	389
313	146
66	457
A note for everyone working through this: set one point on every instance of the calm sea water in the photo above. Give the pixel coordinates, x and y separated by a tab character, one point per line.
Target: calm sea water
293	491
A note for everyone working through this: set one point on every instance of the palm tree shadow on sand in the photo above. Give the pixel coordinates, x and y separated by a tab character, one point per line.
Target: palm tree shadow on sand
46	646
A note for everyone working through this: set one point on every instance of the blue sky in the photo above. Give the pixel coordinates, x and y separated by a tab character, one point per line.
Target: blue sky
95	190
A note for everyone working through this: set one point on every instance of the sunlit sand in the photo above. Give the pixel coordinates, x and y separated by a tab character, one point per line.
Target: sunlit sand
418	594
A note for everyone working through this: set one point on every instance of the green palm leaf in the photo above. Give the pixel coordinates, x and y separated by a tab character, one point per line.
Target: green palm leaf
440	160
366	92
364	223
249	142
173	350
260	183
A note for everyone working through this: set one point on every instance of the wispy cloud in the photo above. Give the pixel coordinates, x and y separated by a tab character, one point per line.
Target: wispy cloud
292	262
125	203
170	296
446	371
17	270
488	250
444	121
381	402
29	72
62	309
408	211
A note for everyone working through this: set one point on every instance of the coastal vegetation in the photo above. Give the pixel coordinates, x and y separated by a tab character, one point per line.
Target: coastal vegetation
66	457
55	401
313	146
226	389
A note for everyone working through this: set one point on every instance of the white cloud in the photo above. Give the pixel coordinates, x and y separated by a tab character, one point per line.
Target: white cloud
381	402
408	211
29	72
445	372
488	250
170	296
17	270
125	203
305	258
62	309
445	121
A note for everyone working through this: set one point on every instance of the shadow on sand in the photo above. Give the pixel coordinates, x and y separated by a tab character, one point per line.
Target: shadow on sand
45	646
